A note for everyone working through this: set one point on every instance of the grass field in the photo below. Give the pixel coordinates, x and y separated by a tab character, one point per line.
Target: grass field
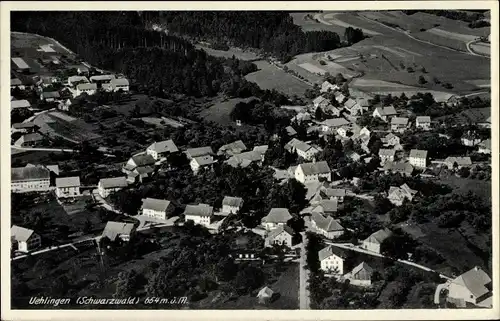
271	77
312	25
464	185
481	48
25	40
236	52
59	124
220	111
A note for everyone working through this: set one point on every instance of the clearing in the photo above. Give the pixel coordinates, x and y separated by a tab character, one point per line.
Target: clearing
236	52
220	111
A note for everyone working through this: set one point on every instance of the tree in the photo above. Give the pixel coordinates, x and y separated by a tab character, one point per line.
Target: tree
319	114
126	285
352	35
87	226
248	278
421	80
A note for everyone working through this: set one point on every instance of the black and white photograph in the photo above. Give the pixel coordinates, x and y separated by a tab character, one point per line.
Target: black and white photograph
251	159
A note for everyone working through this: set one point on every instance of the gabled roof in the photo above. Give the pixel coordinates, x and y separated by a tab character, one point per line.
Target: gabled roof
261	149
315	168
280	229
164	146
143	160
102	78
297	144
328	205
318	100
277	215
244	159
20	234
51	94
418	153
379	236
327	224
68	181
290	131
73	79
265	292
23	125
360	267
399	121
386	152
331	250
335	122
232	201
199	151
199	210
388	111
232	148
115	229
334	192
113	182
86	86
326	85
204	160
19	104
399	167
423	119
388	137
350	103
119	82
155	204
461	161
474	280
29	173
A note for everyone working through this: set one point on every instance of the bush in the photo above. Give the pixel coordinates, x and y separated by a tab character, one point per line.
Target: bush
322	62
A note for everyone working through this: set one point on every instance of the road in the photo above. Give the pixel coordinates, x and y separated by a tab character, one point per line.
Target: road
57	247
472	52
304	295
43	149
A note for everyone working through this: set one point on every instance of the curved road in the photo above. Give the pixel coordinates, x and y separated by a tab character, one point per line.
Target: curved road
472	51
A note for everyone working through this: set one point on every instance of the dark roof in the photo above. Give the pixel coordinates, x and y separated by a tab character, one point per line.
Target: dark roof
278	215
199	210
29	173
115	229
315	168
232	201
113	182
332	250
143	160
155	204
68	181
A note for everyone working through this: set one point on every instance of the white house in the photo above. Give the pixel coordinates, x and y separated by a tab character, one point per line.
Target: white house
353	107
326	226
89	89
24	128
75	80
470	139
399	124
391	140
275	218
29	179
157	208
374	241
201	162
320	102
312	172
339	97
282	235
326	86
332	259
384	113
331	125
423	122
118	231
106	186
119	84
50	96
68	186
418	158
460	161
161	149
386	155
473	287
201	214
397	195
23	239
231	204
301	148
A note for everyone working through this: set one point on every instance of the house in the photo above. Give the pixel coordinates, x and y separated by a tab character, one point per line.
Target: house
473	287
326	225
418	158
405	169
290	131
423	122
120	84
20	64
302	117
339	97
334	193
201	162
470	139
25	128
80	69
331	125
201	214
118	231
361	275
15	104
275	218
301	148
320	102
391	140
73	81
102	78
242	249
485	147
231	204
365	132
88	89
265	295
352	155
326	86
353	107
282	235
157	208
374	241
261	149
332	259
386	155
384	113
16	82
106	186
161	149
31	139
332	111
199	151
233	148
50	96
399	124
246	158
139	167
312	172
459	161
68	186
326	206
397	195
23	239
344	132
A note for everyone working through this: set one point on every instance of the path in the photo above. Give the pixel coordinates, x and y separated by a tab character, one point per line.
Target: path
56	247
304	299
43	149
469	48
439	289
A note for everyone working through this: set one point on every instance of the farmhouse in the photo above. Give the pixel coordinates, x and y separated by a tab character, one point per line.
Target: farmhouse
231	204
373	242
339	97
73	81
386	155
458	162
201	214
23	239
15	104
353	107
118	231
157	208
106	186
485	147
31	139
313	172
331	125
201	162
399	124
473	287
50	96
418	158
390	140
199	151
233	148
361	275
24	128
282	235
275	218
102	78
320	102
332	259
384	113
246	159
423	122
327	86
470	139
405	169
328	207
139	167
80	69
88	89
119	84
397	195
326	226
68	186
301	148
161	149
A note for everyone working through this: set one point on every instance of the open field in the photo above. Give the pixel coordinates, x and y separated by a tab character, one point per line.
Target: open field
25	40
481	48
312	25
21	158
271	77
220	111
464	185
452	35
236	52
346	20
59	124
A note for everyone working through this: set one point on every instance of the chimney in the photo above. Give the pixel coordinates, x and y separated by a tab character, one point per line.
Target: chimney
476	268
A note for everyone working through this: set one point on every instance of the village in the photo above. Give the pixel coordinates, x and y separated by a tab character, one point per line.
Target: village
343	152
